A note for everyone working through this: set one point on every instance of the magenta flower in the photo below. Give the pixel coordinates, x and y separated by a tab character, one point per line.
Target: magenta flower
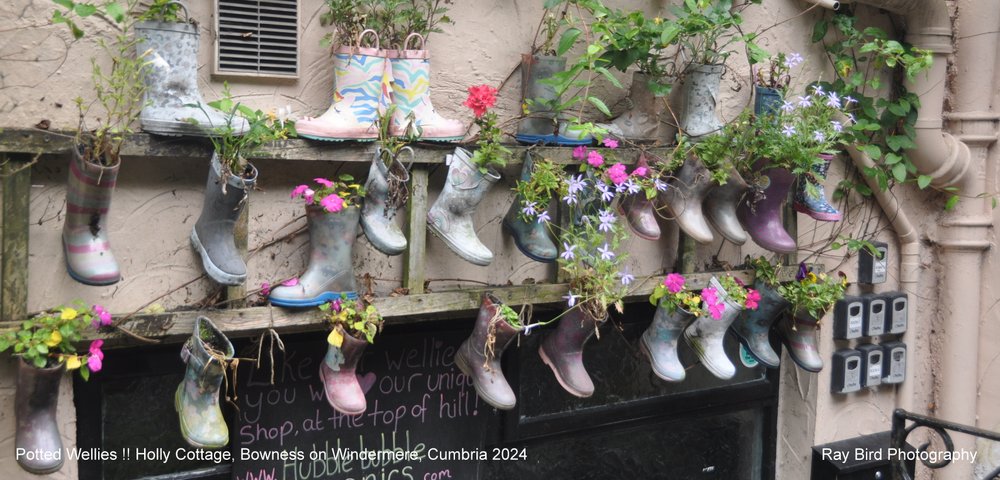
617	174
640	171
299	191
95	360
610	142
336	305
710	296
595	159
102	317
753	297
716	310
580	153
674	282
324	182
265	289
309	195
332	203
291	282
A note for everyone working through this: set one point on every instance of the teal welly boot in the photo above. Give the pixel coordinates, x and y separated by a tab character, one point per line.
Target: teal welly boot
659	342
330	275
816	206
752	327
197	397
531	237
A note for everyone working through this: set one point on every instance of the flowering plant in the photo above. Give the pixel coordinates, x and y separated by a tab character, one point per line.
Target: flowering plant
673	294
48	339
765	272
720	153
357	318
490	153
813	294
776	74
734	287
333	196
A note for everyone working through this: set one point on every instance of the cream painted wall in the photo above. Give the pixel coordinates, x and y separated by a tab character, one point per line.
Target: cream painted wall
158	200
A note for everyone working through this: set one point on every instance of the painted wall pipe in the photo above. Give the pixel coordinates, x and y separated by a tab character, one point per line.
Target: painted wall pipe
831	4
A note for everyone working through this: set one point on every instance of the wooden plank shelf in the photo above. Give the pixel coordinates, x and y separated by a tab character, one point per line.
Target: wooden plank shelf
45	142
176	326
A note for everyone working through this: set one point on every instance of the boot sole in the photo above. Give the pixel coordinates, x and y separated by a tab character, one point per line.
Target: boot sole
337	139
714	226
377	244
454	248
819	217
464	367
85	281
315	301
704	360
637	233
322	375
173	129
572	391
214	272
746	346
184	430
517	243
645	350
550	140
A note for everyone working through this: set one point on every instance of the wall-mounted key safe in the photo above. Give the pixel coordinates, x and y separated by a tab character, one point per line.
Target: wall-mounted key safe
846	371
875	318
894	362
871	365
898	305
849	318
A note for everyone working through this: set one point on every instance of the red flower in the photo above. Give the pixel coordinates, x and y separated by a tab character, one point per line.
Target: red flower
481	98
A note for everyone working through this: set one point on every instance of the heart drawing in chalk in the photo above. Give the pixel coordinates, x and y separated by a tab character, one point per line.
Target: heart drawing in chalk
366	381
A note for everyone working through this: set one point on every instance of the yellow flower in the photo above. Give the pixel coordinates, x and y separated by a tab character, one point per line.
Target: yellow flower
73	362
336	338
657	20
810	279
68	314
54	339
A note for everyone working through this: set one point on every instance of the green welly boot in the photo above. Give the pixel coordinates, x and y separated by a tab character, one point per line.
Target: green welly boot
197	397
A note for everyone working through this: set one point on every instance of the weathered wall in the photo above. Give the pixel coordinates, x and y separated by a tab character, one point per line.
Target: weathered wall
158	200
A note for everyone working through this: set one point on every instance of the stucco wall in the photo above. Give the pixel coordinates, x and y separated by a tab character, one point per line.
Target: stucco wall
158	200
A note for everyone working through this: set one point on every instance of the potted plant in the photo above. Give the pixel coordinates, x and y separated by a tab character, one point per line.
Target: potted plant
353	325
676	307
333	213
530	235
753	327
96	157
723	300
810	296
497	326
45	345
791	142
207	356
231	177
470	176
385	193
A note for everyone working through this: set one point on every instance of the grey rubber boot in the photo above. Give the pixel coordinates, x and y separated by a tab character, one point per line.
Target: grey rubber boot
659	342
35	408
340	382
171	81
472	359
562	351
684	198
450	218
197	397
706	335
700	96
641	122
799	334
540	124
330	275
720	208
212	236
752	327
532	238
377	215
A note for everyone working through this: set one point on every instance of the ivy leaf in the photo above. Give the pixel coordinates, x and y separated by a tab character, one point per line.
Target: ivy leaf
819	31
923	181
950	204
64	3
899	172
567	40
899	142
872	151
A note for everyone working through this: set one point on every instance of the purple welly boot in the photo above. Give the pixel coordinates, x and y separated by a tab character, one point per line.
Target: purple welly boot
481	361
760	211
562	351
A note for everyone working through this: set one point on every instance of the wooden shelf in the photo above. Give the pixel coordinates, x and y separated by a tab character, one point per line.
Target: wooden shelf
175	327
36	141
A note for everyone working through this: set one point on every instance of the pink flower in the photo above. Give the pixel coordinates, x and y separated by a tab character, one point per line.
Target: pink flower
336	305
291	282
716	310
102	317
580	153
332	203
595	159
309	195
753	296
324	182
610	142
674	282
95	348
711	298
95	360
481	98
617	173
640	171
299	190
265	289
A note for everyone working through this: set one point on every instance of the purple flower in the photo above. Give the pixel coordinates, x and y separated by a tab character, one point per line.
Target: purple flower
819	136
803	271
544	217
851	118
570	299
529	208
570	199
660	185
837	126
568	251
632	187
606	252
849	100
832	100
787	107
805	102
788	130
576	184
818	90
627	278
606	194
607	219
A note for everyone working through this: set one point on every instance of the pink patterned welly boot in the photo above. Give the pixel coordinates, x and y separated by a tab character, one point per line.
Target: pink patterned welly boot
411	94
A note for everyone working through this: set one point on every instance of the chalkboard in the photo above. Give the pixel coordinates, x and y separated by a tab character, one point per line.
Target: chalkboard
419	405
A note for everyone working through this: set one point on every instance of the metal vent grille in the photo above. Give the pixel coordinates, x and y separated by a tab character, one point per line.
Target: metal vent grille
257	37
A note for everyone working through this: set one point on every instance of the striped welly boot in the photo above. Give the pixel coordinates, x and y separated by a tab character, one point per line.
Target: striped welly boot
411	94
85	235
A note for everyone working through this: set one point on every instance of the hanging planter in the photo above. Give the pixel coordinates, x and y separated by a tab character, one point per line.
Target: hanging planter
354	324
333	215
700	97
385	193
497	327
753	327
86	245
531	236
684	197
213	234
562	350
676	307
810	296
541	102
207	355
722	302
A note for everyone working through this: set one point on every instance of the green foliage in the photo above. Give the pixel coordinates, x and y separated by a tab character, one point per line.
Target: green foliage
359	318
509	315
490	153
393	20
765	271
814	294
162	11
707	28
48	338
547	180
672	294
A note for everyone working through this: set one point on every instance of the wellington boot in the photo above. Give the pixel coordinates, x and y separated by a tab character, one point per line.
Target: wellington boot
800	335
761	217
377	213
363	81
641	122
816	206
684	198
531	237
706	335
720	207
212	236
340	382
540	100
659	342
754	326
35	408
85	232
197	399
701	96
450	218
481	361
411	94
330	275
639	212
562	351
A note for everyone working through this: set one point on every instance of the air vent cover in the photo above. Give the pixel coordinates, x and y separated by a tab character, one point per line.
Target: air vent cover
257	37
